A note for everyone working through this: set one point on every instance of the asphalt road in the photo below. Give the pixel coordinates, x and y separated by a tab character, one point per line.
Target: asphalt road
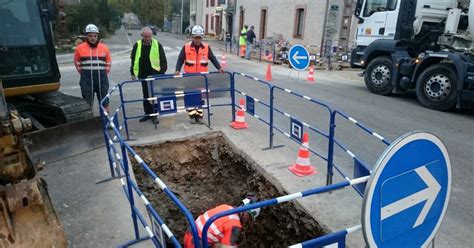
389	116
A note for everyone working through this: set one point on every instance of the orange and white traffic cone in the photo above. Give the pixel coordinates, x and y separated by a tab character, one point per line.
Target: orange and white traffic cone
239	122
268	77
311	74
223	61
303	167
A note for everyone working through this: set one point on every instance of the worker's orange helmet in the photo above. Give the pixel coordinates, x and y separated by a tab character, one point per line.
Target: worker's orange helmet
249	199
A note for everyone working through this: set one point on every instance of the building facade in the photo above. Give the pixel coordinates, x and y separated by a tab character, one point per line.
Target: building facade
215	16
300	21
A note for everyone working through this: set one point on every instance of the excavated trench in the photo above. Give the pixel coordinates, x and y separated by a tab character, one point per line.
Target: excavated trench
205	172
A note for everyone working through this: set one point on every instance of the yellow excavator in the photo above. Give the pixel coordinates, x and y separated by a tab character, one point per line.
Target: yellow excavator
29	101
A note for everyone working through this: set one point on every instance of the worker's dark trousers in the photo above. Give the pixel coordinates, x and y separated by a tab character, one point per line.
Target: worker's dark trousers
94	83
147	106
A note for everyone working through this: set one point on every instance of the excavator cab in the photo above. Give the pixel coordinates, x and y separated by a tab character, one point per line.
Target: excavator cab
38	124
28	66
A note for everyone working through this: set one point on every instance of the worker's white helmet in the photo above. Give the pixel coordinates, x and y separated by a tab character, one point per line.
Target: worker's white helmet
197	31
249	199
91	28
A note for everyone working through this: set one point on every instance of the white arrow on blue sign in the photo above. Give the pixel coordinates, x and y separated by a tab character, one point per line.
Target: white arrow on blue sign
299	57
408	194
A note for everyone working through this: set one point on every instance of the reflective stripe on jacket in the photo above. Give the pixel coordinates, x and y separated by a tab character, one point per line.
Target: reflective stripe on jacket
196	62
92	58
154	57
221	230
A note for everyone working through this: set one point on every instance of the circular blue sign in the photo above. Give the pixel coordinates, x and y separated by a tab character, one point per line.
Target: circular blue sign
408	194
299	57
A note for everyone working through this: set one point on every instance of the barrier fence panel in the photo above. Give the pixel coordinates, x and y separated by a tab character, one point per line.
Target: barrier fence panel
312	117
355	156
257	95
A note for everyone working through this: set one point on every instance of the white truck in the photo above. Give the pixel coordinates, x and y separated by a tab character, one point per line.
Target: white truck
425	46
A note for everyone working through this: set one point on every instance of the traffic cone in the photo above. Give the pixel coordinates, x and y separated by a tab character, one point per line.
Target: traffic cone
239	122
223	61
303	167
268	77
311	73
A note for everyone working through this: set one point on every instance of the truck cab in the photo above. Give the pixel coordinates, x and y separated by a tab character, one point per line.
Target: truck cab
422	46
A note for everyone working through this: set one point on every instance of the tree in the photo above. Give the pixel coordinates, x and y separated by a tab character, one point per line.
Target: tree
152	11
99	12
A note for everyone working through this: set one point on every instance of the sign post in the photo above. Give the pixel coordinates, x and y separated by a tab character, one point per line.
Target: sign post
408	194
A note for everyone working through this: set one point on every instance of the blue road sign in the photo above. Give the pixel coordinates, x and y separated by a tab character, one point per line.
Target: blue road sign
299	57
407	195
296	129
166	105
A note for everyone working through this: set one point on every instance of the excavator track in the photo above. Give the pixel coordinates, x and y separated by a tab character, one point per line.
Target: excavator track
52	108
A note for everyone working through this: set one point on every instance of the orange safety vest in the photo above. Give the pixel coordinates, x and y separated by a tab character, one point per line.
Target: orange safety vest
88	58
220	231
196	62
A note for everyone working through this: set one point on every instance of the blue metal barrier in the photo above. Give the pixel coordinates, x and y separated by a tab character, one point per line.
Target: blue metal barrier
278	200
249	97
327	158
130	187
338	238
119	163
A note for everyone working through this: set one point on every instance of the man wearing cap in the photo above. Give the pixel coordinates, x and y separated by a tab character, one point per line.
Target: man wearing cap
223	232
93	61
195	56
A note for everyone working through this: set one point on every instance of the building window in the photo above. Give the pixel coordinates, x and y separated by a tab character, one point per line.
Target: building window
207	3
213	3
299	23
212	22
263	23
220	2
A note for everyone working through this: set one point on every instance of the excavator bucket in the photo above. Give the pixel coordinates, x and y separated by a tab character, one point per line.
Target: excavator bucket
27	215
63	141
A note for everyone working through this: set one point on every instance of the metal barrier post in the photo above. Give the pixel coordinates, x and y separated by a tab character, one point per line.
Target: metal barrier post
232	94
104	120
208	103
123	109
332	127
129	189
271	117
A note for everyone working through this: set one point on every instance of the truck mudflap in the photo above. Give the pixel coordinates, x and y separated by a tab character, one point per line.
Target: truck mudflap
63	141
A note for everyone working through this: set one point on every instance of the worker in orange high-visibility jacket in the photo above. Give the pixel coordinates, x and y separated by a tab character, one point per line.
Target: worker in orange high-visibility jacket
196	56
223	232
93	61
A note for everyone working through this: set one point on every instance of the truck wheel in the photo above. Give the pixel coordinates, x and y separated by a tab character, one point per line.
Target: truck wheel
436	87
378	76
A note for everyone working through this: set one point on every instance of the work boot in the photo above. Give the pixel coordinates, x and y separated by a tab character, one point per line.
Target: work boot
199	120
192	119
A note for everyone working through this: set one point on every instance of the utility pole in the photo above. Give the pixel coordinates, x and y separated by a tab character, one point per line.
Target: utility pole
323	40
182	14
